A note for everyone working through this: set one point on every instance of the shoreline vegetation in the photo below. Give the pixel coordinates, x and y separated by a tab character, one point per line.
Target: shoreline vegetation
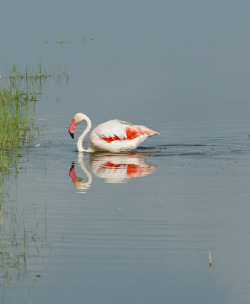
17	124
19	128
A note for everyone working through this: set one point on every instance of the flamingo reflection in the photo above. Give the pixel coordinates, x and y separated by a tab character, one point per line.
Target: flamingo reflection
79	183
114	168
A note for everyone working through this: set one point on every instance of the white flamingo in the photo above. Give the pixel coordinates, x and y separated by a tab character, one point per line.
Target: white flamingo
113	135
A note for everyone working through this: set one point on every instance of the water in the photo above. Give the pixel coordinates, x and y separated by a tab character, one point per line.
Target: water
137	227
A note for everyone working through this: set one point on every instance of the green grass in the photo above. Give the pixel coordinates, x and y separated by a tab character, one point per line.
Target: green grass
18	93
17	128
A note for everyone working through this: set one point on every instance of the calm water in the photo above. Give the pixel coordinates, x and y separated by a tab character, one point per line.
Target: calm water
137	227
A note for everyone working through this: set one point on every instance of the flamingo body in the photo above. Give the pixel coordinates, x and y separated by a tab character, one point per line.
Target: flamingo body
113	136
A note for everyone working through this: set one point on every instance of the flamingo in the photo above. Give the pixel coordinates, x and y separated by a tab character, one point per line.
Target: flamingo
112	136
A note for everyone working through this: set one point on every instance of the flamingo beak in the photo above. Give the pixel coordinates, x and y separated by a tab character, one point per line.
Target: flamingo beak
71	128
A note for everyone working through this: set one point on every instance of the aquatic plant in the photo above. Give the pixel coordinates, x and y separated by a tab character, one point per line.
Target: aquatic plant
21	242
17	124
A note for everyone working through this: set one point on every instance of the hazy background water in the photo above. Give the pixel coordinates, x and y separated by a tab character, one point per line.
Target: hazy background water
179	67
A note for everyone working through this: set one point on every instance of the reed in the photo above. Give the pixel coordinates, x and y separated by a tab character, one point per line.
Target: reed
17	127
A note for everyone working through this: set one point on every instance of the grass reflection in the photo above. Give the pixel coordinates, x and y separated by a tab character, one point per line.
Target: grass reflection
22	243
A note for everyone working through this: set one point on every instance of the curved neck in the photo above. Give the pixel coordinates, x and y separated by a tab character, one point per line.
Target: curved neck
85	132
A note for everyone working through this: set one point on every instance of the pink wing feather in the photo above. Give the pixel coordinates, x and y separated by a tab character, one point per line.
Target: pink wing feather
133	131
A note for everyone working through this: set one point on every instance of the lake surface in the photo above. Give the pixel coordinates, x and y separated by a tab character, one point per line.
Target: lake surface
135	227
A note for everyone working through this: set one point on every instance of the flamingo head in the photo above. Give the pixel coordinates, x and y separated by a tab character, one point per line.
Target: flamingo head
77	119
